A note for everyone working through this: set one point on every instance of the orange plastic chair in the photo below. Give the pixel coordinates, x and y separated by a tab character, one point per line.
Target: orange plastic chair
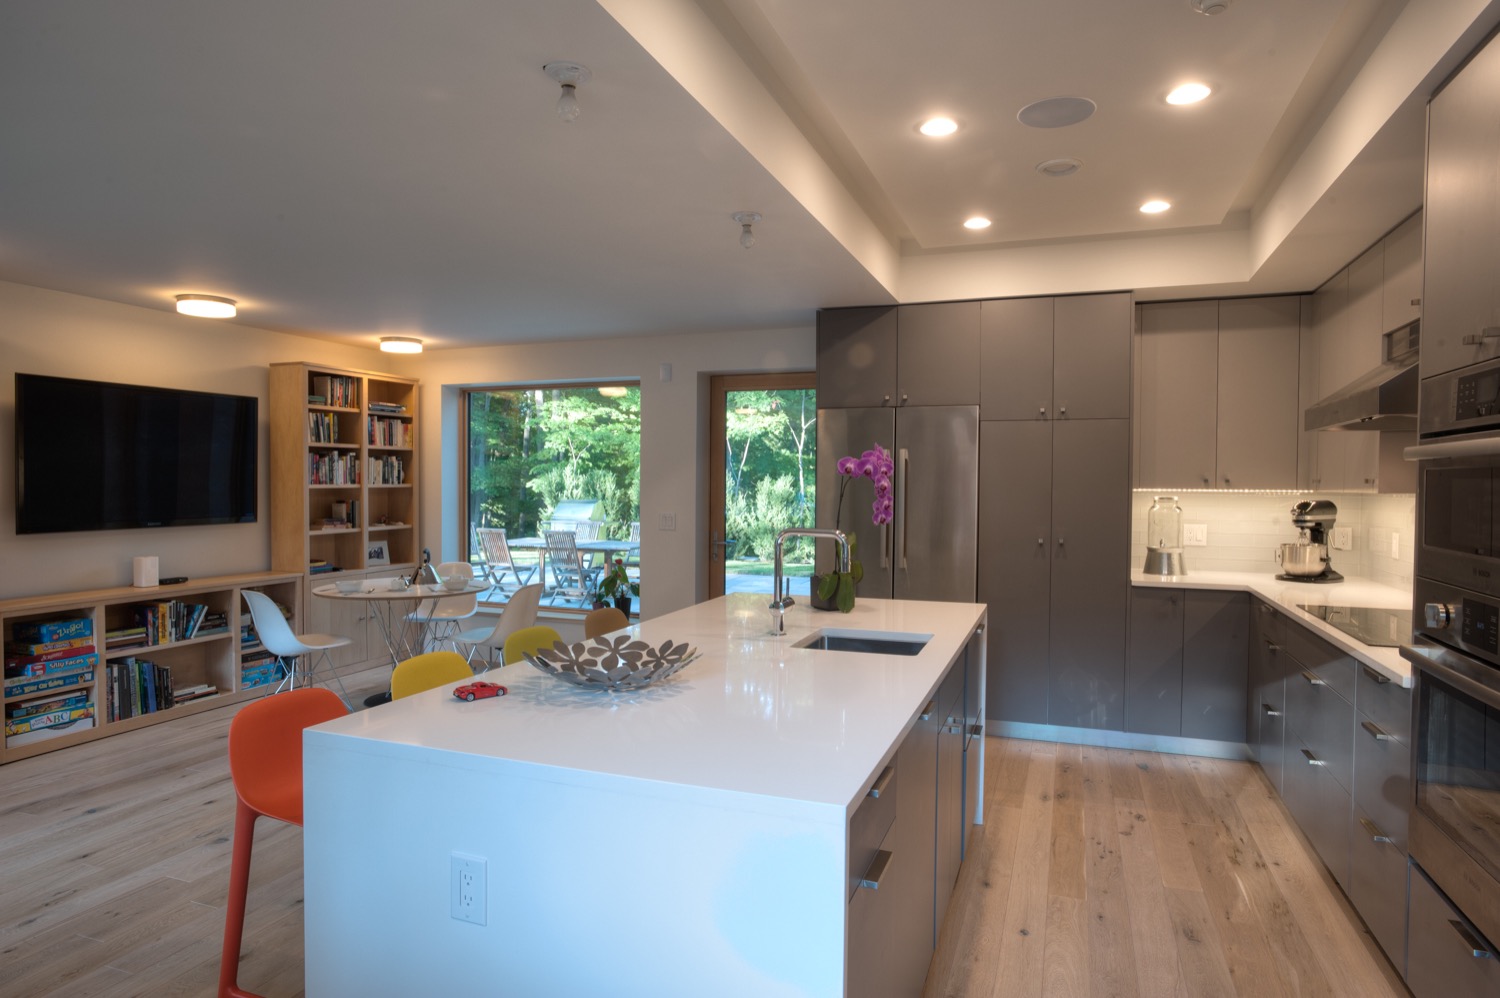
265	763
604	620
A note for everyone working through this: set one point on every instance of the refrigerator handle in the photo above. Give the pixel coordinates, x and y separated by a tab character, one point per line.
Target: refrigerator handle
903	469
885	545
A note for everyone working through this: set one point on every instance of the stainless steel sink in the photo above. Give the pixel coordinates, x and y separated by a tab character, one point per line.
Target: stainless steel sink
868	642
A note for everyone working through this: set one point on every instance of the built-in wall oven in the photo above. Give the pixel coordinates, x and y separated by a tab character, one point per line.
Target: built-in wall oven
1455	651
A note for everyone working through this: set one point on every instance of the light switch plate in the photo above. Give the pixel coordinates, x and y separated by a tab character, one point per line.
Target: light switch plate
668	521
1343	538
1195	535
1395	543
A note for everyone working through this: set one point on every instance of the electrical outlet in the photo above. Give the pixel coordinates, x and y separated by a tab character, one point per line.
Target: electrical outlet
1343	538
1395	544
469	887
668	521
1195	535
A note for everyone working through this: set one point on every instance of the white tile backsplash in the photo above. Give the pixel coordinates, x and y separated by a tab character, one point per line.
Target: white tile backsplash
1245	529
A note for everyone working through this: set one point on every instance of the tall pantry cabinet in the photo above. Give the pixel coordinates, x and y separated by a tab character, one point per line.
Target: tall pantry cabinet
1054	520
343	487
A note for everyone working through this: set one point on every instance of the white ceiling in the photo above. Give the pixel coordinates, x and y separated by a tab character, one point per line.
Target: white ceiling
348	168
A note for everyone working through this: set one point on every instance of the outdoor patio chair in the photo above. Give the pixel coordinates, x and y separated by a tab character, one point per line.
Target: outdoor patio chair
572	577
498	560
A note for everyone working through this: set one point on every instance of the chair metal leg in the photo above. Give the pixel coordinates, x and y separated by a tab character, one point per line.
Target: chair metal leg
234	914
288	675
322	658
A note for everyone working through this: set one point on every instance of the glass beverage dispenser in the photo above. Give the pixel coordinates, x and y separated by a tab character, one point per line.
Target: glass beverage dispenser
1164	537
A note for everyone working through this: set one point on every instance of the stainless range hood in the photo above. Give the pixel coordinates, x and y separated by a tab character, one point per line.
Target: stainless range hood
1384	399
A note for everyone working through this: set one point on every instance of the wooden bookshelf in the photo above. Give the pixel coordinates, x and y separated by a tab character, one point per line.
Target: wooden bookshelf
342	442
207	658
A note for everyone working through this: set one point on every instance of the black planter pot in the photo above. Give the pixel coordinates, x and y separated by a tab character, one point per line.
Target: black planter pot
820	604
622	603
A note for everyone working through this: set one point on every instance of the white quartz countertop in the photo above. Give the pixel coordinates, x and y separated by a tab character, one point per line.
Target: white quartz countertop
754	715
1286	595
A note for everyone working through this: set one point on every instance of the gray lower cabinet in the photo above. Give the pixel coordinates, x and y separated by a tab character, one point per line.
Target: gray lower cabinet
1446	955
950	790
1054	538
1185	673
1382	799
973	734
1265	722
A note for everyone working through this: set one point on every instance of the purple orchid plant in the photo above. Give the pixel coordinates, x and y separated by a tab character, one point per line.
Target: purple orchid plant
875	464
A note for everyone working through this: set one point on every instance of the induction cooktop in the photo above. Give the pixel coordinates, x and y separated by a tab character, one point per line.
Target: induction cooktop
1368	625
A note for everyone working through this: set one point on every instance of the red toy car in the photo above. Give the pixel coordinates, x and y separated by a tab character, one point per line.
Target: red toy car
479	690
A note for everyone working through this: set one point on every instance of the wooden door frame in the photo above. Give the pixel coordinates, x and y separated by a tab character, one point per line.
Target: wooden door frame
719	387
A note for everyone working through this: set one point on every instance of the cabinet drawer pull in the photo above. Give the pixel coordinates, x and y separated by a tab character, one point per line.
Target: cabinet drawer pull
1312	679
1376	835
1485	333
876	872
1272	647
1479	949
882	782
1313	760
1374	676
1379	733
1270	711
927	711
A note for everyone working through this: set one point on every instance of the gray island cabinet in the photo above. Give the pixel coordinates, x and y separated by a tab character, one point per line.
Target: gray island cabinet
772	820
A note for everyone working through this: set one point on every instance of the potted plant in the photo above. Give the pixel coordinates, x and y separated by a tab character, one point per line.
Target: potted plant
618	587
835	591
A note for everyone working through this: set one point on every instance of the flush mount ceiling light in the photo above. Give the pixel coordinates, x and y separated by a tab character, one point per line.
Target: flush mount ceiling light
571	76
400	344
612	391
1058	167
1056	112
746	219
937	128
1155	207
977	222
206	306
1189	93
1210	7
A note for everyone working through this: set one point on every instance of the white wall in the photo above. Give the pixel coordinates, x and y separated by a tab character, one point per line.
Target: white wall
673	426
49	332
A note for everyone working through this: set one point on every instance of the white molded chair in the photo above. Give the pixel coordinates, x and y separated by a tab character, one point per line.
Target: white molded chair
442	615
300	655
518	614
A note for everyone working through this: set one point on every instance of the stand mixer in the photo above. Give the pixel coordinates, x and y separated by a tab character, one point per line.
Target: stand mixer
1307	559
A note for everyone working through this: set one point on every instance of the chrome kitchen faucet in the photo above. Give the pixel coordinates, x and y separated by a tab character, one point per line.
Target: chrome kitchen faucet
781	600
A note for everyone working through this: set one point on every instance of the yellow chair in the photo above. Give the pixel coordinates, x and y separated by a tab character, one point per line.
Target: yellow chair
604	620
425	672
529	640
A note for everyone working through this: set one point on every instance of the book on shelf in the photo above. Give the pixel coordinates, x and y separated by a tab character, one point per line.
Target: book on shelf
44	734
385	407
53	720
317	399
213	622
52	667
316	568
41	684
198	691
124	637
339	390
45	631
37	649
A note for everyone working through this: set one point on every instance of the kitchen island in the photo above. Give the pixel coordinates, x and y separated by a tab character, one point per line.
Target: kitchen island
689	838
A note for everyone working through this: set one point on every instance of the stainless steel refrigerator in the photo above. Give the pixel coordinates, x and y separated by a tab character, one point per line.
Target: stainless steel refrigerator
929	551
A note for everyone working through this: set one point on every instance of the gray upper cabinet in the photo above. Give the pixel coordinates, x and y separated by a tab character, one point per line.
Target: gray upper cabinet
857	357
1401	290
938	351
1462	249
1091	356
1015	358
1176	395
1258	415
1216	394
1055	358
893	356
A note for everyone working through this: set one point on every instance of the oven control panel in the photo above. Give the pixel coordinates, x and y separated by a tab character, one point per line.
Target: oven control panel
1459	618
1465	400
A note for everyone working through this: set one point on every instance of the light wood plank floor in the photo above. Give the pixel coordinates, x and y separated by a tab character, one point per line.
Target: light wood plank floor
1106	872
1099	873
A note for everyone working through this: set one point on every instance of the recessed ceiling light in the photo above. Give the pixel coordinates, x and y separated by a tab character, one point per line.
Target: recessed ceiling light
1056	112
938	127
1155	207
400	344
1189	93
206	306
1058	167
1210	7
977	222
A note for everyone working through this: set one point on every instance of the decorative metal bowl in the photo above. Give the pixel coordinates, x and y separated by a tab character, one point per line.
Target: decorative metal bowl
612	663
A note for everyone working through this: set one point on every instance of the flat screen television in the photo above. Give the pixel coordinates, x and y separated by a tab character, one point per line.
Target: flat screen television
91	455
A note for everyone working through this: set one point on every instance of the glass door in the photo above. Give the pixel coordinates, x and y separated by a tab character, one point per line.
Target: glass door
763	442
